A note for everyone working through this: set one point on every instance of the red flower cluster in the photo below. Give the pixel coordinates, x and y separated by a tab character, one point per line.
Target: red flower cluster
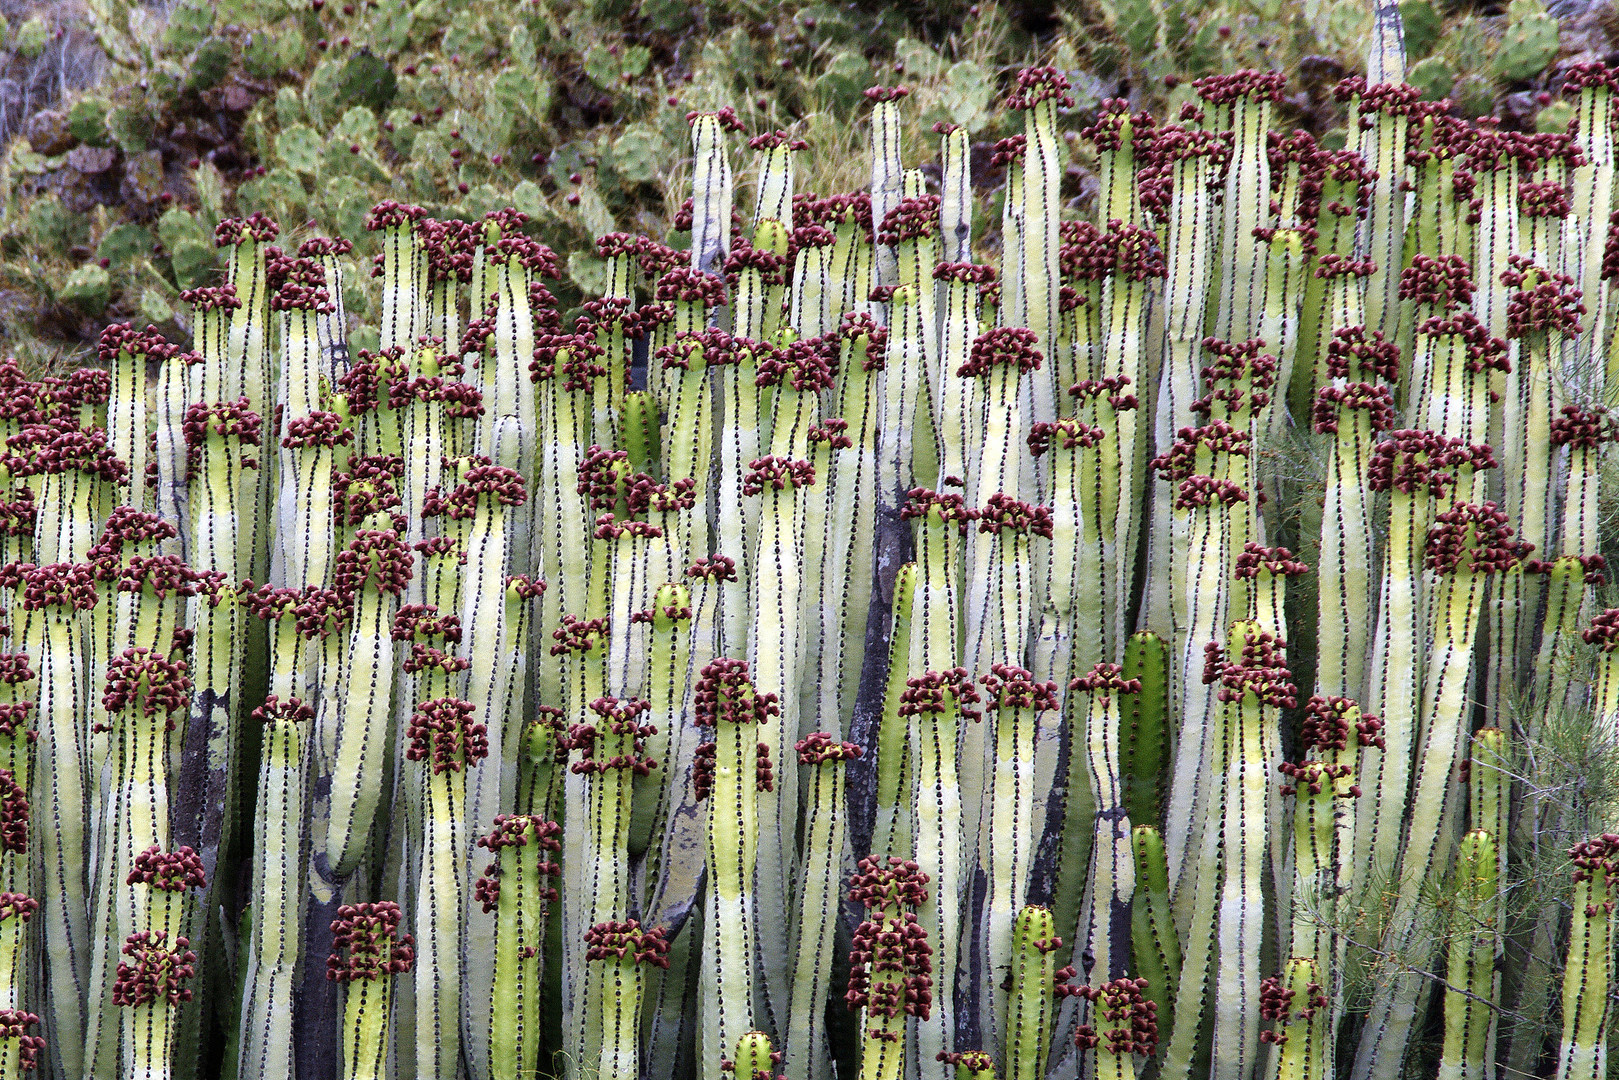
890	942
1479	535
140	675
367	932
1010	687
171	871
627	940
442	731
724	692
259	226
14	814
1004	513
929	694
156	973
513	830
1260	669
1130	1020
818	748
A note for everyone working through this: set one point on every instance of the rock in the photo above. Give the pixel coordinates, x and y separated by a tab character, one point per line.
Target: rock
237	98
143	178
48	133
91	159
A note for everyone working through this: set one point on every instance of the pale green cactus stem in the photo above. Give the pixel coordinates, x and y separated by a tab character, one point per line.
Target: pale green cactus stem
309	448
688	443
1379	115
613	338
887	174
15	911
248	359
1154	943
890	964
280	852
1575	574
1296	1003
1255	686
449	248
1009	308
1033	996
1009	831
1334	291
1003	358
1189	242
69	470
1085	493
959	437
621	947
942	521
1603	633
1583	1051
1242	105
847	565
673	744
908	453
128	352
711	186
404	273
1352	406
891	832
517	889
374	956
1543	316
516	264
563	540
144	690
1106	940
737	425
956	195
1196	462
490	494
371	572
1465	545
151	984
1434	226
1318	786
1591	194
727	703
448	739
1125	1025
808	1054
1137	262
776	599
17	692
224	440
52	604
1472	985
583	645
1416	469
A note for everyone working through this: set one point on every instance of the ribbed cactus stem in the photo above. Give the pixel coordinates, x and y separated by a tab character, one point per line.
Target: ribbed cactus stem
1464	546
891	963
1033	997
891	832
280	852
1124	1025
1013	704
808	1054
621	948
368	956
1155	946
1296	1004
516	889
728	704
1112	878
1587	975
1472	985
372	571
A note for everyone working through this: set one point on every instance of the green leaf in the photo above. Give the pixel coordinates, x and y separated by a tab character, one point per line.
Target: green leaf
299	147
1474	96
359	125
193	262
528	198
567	159
211	190
130	128
593	212
1422	26
1138	22
87	120
516	91
921	61
289	107
640	154
123	244
189	24
32	36
390	33
844	81
602	66
1433	77
260	56
429	150
155	308
1527	47
588	272
969	95
634	60
209	65
1349	24
177	226
520	46
88	288
366	79
1554	118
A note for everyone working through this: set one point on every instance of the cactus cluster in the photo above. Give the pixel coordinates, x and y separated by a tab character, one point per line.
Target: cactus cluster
823	652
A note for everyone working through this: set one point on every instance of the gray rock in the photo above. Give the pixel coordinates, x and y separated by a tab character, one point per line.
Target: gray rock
47	132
